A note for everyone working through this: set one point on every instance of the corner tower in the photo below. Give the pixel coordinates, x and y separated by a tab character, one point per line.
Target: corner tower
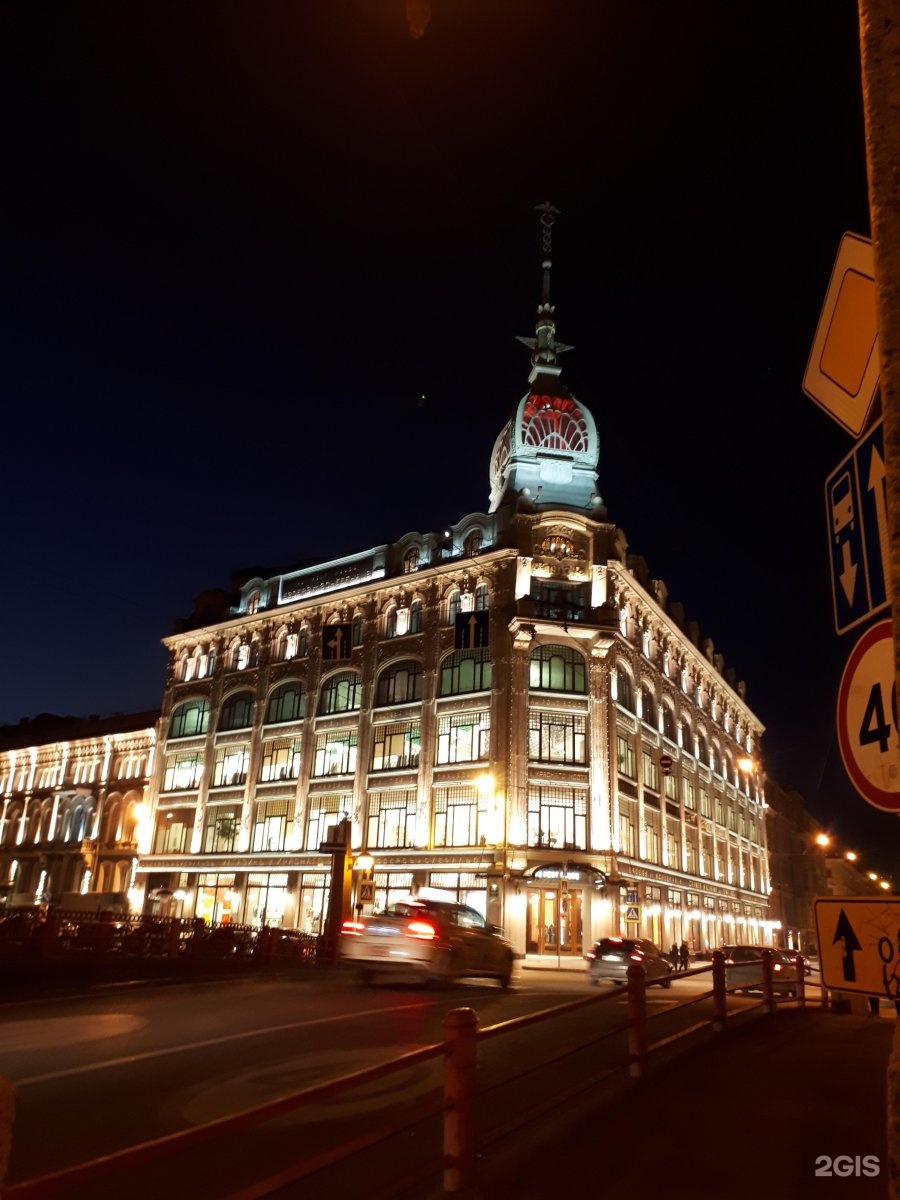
547	453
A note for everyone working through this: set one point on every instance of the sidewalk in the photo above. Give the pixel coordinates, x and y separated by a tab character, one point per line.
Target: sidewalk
743	1115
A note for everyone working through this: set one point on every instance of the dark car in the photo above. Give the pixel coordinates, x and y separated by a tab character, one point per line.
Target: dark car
744	967
612	956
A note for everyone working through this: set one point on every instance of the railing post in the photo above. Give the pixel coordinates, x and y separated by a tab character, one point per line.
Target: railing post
720	997
459	1029
801	982
7	1113
768	991
637	1021
174	945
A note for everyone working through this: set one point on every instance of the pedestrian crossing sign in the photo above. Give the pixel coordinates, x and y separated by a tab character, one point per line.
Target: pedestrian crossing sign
632	913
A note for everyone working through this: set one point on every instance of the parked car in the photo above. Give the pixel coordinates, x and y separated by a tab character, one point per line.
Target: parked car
612	956
744	966
429	940
795	956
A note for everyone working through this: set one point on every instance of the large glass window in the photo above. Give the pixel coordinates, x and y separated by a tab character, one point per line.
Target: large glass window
651	771
335	754
221	828
648	708
189	719
415	617
556	737
464	737
270	823
465	671
395	746
287	703
173	831
341	693
559	601
323	812
237	712
401	683
460	813
391	819
557	817
183	771
230	767
280	759
556	669
627	839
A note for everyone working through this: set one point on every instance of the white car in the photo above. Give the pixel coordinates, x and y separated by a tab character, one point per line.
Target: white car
429	940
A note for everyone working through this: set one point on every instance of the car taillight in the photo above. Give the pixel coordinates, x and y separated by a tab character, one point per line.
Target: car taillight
776	966
729	962
590	954
636	957
422	929
352	928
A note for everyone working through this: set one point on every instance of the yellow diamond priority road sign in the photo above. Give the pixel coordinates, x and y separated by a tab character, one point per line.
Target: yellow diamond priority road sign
859	945
843	368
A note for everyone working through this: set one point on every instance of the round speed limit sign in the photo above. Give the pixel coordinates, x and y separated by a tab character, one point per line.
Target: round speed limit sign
867	718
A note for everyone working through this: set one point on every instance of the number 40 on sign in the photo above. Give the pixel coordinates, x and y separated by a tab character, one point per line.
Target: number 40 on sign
867	719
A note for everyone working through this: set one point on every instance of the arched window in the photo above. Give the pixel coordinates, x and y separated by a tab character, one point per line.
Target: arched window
237	712
390	622
253	602
415	617
303	642
556	669
189	719
624	689
648	708
400	683
453	609
340	693
668	723
465	671
481	597
286	703
410	561
473	541
702	750
357	634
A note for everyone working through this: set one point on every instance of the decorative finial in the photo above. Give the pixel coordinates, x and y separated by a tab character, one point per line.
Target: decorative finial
548	213
544	346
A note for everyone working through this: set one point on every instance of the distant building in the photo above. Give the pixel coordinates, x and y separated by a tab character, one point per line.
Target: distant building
72	797
797	867
508	710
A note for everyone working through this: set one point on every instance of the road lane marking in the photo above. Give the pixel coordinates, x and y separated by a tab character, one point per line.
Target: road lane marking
219	1041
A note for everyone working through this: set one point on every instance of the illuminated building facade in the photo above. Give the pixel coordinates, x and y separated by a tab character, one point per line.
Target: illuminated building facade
509	710
72	799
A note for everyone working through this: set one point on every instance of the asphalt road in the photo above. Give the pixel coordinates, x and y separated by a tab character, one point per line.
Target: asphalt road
128	1065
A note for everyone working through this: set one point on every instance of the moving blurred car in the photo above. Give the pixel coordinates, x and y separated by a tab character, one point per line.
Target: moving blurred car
430	940
612	956
795	956
744	967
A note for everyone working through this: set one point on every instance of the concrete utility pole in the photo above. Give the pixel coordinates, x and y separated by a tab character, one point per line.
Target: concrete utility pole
879	27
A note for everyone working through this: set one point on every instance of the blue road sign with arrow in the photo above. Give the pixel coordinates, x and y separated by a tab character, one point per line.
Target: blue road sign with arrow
856	510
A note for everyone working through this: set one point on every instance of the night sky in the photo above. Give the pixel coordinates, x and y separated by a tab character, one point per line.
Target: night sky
264	267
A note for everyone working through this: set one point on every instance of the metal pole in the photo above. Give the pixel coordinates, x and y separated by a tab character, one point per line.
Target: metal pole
720	998
768	990
637	1021
879	25
7	1115
459	1028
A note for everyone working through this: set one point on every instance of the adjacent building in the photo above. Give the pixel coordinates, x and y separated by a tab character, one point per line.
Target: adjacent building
73	796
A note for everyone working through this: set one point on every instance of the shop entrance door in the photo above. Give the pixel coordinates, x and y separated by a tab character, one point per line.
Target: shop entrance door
554	924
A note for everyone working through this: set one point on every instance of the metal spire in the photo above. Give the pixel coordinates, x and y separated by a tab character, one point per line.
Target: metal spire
544	346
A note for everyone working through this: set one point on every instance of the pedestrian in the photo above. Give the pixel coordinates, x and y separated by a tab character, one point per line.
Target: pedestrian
673	957
684	956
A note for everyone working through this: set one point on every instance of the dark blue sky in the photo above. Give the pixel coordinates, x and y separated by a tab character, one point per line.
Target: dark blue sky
242	242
